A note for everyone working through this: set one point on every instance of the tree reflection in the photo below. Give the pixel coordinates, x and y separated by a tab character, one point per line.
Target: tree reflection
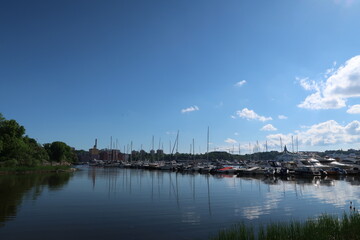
15	188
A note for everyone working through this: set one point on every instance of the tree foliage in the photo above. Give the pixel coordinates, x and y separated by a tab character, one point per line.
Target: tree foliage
60	152
19	150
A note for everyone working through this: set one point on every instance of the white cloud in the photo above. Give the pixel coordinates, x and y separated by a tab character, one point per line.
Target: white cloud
318	101
333	93
282	117
321	134
251	115
230	140
354	109
308	84
268	127
190	109
236	134
239	84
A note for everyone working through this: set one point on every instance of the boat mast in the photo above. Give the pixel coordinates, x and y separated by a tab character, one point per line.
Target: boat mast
193	145
131	145
266	146
152	149
297	144
207	146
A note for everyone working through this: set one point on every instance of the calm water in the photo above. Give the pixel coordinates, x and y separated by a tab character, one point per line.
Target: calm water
97	203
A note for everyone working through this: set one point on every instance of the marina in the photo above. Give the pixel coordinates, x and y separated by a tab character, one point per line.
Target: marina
284	164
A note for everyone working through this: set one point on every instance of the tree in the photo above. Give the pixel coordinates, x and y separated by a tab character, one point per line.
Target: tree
60	152
11	129
12	146
17	149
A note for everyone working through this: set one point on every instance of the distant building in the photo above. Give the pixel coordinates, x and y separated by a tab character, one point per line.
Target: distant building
94	152
111	155
83	156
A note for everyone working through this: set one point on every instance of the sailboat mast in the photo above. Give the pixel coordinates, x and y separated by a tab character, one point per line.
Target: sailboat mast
297	144
131	146
207	146
266	146
177	142
193	145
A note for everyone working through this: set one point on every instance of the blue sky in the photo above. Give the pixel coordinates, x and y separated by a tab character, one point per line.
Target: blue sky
251	70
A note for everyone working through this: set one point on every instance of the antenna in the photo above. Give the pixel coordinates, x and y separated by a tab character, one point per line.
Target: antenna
281	148
292	143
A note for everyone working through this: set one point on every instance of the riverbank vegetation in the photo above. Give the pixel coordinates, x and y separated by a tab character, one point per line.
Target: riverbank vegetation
325	227
18	150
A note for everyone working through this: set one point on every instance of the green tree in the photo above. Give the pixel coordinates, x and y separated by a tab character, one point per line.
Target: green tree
60	152
17	149
11	129
13	147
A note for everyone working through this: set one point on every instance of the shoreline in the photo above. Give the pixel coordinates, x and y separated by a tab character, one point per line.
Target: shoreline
33	170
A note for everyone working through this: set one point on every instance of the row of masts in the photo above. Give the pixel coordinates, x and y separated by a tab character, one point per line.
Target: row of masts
173	148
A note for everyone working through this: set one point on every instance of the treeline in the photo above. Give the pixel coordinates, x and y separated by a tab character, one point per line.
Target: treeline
18	149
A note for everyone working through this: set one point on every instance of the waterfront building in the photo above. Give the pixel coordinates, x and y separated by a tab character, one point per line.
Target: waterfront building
94	152
110	155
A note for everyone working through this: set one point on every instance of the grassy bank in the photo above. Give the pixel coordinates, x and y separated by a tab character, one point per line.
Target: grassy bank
38	169
324	228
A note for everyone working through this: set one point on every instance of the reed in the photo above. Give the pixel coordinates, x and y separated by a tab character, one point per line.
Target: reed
324	227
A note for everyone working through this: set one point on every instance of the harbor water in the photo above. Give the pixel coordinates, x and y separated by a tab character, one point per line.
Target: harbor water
116	203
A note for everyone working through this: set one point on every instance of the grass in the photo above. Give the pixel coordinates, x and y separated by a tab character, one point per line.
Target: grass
326	227
24	169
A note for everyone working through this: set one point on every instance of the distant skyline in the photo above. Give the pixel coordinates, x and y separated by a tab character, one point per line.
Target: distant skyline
251	71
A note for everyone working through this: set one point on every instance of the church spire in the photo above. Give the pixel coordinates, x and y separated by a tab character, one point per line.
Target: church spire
285	149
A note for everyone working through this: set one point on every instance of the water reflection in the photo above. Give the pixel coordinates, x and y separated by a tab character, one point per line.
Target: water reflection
272	192
155	204
15	188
